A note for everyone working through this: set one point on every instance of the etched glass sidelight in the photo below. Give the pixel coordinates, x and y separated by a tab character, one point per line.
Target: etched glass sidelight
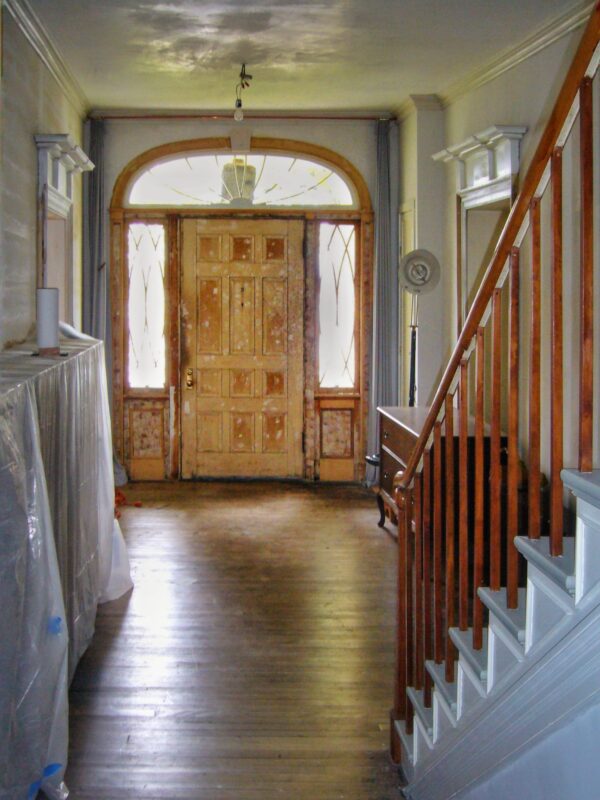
146	306
228	180
337	259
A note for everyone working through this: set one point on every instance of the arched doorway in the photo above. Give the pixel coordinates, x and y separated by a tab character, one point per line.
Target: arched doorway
241	301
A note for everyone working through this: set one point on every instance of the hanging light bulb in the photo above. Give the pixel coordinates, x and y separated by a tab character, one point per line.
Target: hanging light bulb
244	83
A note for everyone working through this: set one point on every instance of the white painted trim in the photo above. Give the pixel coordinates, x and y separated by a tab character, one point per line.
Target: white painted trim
542	38
594	63
32	28
564	677
480	142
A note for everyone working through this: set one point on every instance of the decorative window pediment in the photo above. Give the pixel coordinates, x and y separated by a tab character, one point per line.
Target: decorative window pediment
487	164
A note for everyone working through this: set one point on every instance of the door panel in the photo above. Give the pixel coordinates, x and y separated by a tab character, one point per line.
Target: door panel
242	348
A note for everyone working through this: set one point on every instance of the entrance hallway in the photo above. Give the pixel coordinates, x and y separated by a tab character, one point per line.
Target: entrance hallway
253	659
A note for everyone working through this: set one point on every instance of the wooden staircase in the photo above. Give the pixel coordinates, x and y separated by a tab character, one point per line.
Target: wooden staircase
499	600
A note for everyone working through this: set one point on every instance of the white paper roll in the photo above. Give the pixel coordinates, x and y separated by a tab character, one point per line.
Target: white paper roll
47	319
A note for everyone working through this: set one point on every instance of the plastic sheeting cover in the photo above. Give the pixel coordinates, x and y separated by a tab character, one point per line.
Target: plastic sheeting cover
33	634
76	446
58	545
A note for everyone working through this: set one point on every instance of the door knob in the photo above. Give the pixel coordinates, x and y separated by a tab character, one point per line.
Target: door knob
189	378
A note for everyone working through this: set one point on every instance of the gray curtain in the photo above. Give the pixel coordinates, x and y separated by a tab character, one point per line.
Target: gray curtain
95	301
384	379
95	269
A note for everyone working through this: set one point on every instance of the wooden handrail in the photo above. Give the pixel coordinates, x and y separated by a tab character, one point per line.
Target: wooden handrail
520	209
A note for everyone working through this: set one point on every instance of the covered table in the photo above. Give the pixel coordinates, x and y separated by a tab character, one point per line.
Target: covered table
57	538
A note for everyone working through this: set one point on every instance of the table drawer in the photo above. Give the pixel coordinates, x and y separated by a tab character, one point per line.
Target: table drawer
389	467
397	439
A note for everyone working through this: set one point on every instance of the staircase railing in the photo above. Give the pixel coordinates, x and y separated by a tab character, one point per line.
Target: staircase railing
475	478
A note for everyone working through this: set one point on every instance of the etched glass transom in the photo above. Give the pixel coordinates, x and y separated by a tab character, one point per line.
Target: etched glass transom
337	260
146	305
243	181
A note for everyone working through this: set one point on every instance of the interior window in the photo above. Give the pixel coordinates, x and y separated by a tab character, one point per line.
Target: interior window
337	262
255	180
146	305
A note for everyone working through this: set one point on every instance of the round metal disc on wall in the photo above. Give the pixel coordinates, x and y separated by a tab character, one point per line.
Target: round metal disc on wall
419	272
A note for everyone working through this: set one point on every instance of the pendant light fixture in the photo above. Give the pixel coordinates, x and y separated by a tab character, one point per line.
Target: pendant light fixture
244	83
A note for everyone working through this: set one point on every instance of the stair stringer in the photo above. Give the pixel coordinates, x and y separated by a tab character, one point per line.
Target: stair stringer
560	675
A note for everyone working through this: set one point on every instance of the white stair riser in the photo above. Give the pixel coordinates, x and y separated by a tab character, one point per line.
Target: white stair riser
547	605
503	653
408	749
471	690
423	745
444	720
587	549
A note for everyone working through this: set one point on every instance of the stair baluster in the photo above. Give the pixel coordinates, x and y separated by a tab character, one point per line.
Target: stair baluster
479	483
514	471
586	364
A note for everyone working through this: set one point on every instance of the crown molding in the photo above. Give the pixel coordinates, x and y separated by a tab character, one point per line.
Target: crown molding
32	28
542	38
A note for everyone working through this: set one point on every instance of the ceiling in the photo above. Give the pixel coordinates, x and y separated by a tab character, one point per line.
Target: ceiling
337	55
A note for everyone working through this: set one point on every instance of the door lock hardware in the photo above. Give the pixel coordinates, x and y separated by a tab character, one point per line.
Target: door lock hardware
189	378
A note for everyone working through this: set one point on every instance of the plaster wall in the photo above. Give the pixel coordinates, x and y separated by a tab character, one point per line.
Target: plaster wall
525	95
32	103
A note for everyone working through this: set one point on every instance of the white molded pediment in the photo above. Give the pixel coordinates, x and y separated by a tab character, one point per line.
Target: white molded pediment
58	158
487	164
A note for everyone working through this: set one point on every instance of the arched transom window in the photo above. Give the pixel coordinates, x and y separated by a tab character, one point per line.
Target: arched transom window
255	180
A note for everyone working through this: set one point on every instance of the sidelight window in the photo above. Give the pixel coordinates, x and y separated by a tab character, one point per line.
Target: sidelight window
337	270
146	305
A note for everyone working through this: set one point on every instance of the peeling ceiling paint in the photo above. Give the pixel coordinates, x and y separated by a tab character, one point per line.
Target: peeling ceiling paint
316	54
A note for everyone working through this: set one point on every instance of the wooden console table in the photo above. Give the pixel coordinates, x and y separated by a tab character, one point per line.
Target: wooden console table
399	431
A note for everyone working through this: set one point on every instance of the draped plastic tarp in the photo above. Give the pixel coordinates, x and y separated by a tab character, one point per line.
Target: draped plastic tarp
33	634
77	454
58	544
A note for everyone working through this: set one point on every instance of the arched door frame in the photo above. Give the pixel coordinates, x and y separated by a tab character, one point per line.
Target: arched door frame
160	408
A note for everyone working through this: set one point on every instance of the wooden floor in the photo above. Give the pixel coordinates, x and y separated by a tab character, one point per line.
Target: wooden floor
253	659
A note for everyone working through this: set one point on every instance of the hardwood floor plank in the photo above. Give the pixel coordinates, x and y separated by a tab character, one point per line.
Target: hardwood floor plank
254	657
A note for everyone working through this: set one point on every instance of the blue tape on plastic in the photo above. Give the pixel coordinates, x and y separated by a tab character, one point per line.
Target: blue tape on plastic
51	769
55	625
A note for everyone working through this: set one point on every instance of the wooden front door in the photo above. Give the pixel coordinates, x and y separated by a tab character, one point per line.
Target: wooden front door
242	375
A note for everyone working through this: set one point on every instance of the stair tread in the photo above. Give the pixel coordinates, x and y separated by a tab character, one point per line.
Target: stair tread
476	659
560	569
447	690
513	619
425	714
583	484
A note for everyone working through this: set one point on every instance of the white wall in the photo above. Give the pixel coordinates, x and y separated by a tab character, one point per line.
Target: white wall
32	103
523	95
